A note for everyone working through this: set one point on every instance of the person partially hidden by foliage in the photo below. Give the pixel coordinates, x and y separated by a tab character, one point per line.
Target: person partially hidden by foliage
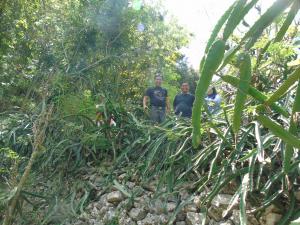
183	102
99	117
159	101
100	111
213	100
102	116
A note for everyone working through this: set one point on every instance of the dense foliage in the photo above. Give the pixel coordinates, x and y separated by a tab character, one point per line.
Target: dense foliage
61	58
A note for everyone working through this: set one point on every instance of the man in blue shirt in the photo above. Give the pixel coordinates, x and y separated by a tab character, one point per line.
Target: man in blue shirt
159	101
183	102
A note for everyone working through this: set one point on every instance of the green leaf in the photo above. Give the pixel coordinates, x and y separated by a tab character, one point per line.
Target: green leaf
289	151
243	196
237	15
264	21
256	94
291	80
243	87
211	64
289	19
218	27
278	131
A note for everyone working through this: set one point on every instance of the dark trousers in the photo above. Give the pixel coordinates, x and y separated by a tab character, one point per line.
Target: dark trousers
157	114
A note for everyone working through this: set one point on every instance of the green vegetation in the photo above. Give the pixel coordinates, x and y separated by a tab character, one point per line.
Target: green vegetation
59	59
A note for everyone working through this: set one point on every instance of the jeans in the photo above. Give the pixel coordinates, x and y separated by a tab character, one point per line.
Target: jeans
157	114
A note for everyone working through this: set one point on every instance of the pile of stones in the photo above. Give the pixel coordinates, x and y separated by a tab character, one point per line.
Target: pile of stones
136	204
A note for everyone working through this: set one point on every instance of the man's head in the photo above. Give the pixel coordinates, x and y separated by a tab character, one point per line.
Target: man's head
185	88
211	90
158	80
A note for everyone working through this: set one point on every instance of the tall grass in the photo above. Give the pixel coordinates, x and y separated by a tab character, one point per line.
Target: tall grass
256	156
260	155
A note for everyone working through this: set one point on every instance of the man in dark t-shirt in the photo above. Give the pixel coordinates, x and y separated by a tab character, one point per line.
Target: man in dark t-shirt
183	102
159	101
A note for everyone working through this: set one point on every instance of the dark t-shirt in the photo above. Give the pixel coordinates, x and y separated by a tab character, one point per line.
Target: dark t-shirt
157	96
183	103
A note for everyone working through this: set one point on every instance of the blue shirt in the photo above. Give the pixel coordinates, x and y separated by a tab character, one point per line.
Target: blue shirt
213	103
183	104
158	96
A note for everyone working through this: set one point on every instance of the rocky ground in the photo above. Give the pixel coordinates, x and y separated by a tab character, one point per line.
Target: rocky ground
130	203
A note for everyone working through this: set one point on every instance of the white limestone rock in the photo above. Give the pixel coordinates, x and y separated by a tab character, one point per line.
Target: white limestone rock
137	214
221	200
215	213
150	219
270	219
190	208
180	223
115	197
193	218
171	206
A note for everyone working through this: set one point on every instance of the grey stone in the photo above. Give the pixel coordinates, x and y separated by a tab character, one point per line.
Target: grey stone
272	208
150	186
235	217
180	223
252	220
163	219
115	197
230	188
102	200
197	201
271	219
122	176
228	222
193	218
190	208
180	216
125	205
130	185
171	206
138	191
142	202
150	219
157	207
270	216
103	211
134	177
172	198
121	214
137	214
124	220
184	194
84	216
108	204
95	212
98	223
98	180
221	199
212	222
215	213
110	214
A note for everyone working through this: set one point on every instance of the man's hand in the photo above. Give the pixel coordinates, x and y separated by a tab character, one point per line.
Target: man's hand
145	101
168	110
168	105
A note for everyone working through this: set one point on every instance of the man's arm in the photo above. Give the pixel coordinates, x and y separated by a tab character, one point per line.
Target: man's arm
193	100
175	103
145	101
168	104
